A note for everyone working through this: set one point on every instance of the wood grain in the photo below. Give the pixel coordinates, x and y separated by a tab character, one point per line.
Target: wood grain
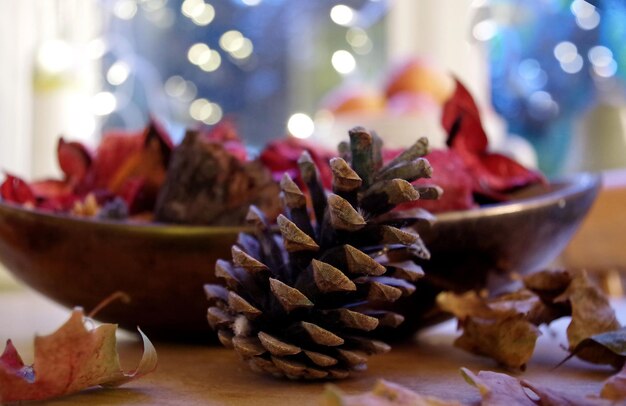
211	375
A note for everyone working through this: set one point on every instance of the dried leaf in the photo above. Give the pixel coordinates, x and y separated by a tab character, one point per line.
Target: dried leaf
551	397
128	165
500	329
530	305
385	393
138	177
591	312
605	348
67	361
497	389
464	305
509	341
548	284
492	174
614	388
16	190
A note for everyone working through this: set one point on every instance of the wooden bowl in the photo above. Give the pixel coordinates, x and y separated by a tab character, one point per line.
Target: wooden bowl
79	262
488	247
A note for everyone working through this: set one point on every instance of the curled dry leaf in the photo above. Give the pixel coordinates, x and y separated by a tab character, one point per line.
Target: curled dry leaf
510	341
614	388
498	389
384	393
499	329
505	327
591	312
67	361
605	348
548	284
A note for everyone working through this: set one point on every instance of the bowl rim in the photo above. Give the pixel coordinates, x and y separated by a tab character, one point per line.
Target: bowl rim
569	186
154	228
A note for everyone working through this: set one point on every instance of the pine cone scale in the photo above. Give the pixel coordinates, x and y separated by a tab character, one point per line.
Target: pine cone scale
276	346
330	279
248	346
320	335
290	298
320	359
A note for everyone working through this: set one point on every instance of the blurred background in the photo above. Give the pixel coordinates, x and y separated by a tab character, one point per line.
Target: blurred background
548	74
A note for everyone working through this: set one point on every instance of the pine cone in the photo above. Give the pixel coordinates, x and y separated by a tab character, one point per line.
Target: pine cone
206	184
301	302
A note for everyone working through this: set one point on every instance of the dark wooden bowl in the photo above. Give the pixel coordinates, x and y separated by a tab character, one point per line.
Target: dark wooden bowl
79	262
485	248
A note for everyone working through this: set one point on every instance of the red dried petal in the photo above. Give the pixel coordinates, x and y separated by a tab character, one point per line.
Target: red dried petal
51	188
139	195
449	173
16	190
155	129
115	148
507	174
224	131
493	174
54	195
60	204
461	120
74	159
282	156
124	157
10	359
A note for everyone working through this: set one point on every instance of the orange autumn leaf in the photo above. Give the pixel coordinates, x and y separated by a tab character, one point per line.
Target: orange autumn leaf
69	360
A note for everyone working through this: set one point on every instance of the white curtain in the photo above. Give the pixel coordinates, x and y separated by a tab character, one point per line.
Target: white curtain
18	35
34	113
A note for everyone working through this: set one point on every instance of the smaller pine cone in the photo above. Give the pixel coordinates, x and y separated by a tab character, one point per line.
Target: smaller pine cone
302	299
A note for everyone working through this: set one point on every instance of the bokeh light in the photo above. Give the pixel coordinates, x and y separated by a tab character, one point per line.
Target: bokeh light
244	50
300	125
199	53
213	62
342	14
343	62
204	16
573	66
485	30
231	41
125	9
103	103
565	52
175	86
118	73
55	56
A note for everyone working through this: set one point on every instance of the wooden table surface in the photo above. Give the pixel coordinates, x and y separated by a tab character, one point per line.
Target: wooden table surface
211	375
